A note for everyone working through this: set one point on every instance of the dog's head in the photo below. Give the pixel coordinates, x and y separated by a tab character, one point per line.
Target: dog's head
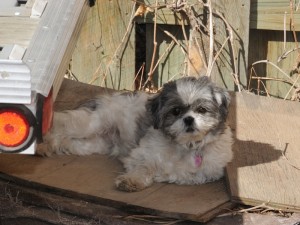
189	108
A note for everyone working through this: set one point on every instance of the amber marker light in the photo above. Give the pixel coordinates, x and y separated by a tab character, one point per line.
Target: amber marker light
14	128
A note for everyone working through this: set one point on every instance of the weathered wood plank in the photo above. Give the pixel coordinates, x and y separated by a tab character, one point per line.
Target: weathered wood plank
172	64
270	45
93	176
102	56
233	59
265	168
269	15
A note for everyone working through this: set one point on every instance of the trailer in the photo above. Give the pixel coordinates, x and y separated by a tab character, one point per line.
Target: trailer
37	39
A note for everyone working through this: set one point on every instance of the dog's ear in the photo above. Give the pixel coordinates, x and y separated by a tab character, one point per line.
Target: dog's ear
221	95
153	106
223	99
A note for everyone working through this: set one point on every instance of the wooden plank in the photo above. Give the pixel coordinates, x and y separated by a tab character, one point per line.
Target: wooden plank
32	166
275	50
22	32
172	63
265	168
272	46
258	39
269	15
104	55
235	60
92	177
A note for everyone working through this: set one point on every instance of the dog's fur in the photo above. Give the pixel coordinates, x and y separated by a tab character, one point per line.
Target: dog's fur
178	135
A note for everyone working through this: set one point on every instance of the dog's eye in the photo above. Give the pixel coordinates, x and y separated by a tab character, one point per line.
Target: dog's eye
201	110
176	111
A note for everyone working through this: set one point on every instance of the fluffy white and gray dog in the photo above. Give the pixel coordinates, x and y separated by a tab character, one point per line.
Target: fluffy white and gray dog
178	135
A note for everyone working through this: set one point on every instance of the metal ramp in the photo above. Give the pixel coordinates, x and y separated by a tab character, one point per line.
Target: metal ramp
37	36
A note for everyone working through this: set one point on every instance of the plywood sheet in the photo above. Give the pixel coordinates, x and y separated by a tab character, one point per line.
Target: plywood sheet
266	166
92	177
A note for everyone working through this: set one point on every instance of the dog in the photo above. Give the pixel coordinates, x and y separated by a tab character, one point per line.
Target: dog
178	135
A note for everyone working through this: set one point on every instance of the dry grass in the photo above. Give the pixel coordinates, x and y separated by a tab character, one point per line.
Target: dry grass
263	209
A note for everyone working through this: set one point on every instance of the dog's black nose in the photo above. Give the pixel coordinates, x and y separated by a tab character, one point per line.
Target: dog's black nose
188	120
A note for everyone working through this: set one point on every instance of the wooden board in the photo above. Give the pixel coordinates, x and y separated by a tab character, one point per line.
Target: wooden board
266	166
271	46
269	14
236	60
91	178
172	64
104	55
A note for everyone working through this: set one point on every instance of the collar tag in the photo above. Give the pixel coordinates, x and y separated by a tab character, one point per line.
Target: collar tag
198	160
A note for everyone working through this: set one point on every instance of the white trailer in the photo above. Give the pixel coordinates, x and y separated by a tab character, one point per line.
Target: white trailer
37	38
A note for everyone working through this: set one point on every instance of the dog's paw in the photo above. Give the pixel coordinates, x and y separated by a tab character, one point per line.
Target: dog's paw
44	149
129	184
48	147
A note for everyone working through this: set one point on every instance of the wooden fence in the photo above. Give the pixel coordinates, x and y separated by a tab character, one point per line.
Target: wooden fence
116	45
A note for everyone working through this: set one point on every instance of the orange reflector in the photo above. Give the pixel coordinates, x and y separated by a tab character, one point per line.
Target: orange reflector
14	128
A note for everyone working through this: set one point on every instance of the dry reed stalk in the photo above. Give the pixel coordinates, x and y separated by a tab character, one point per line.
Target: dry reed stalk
284	31
297	63
294	84
285	54
152	219
168	49
288	161
266	61
138	74
211	40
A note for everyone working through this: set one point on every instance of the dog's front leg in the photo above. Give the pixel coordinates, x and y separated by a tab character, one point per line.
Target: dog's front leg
135	180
